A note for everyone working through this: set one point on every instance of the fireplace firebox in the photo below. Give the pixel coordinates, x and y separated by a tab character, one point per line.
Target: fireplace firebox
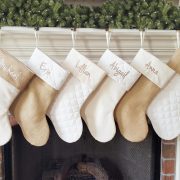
117	159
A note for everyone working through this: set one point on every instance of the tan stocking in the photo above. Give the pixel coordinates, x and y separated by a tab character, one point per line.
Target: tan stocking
130	113
30	108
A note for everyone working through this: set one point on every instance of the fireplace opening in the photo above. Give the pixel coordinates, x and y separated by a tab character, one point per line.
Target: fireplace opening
86	159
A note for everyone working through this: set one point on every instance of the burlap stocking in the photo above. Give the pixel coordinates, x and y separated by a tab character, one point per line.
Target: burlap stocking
31	105
131	111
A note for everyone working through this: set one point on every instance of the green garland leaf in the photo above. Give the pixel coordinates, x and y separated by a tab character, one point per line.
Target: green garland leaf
140	14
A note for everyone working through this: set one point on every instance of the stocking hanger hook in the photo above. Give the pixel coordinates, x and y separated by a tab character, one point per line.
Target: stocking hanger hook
73	35
142	34
108	37
36	34
177	37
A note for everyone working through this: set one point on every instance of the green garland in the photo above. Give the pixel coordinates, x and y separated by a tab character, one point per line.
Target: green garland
127	14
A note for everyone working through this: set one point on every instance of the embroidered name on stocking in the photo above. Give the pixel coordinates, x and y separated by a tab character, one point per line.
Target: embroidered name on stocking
114	66
9	70
82	69
118	69
152	68
46	69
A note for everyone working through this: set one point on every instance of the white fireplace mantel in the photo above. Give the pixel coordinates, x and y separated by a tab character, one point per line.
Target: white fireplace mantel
56	42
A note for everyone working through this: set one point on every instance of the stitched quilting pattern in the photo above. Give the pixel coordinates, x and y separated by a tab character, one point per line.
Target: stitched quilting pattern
164	111
65	114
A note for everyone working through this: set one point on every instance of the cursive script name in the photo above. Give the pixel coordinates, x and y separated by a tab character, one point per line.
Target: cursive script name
151	68
9	69
45	69
114	66
82	69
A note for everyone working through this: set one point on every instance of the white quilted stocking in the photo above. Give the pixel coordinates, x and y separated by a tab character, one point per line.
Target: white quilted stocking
65	111
131	111
99	108
164	111
7	94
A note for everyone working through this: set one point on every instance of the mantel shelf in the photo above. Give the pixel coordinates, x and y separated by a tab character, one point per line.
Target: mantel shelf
56	42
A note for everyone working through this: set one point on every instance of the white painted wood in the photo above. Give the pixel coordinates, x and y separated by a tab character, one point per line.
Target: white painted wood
56	42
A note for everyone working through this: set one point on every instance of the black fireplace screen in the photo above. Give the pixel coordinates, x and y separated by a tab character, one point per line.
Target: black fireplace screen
86	159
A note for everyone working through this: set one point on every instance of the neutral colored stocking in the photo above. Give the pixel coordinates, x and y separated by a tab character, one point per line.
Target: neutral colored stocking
163	111
29	110
14	76
65	111
31	105
131	111
98	110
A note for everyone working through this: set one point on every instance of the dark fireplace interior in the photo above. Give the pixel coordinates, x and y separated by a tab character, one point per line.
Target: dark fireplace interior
86	159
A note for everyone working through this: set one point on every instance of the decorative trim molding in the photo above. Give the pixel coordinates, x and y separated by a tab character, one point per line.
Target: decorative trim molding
56	42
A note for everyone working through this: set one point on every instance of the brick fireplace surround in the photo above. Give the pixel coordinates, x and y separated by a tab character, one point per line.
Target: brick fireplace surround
168	160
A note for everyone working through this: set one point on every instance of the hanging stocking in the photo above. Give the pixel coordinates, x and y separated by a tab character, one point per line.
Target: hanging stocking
14	76
164	109
65	111
131	110
31	106
99	108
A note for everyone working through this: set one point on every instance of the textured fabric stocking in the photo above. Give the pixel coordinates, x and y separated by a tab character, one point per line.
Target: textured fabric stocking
29	110
131	110
14	76
165	107
65	111
98	110
31	105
